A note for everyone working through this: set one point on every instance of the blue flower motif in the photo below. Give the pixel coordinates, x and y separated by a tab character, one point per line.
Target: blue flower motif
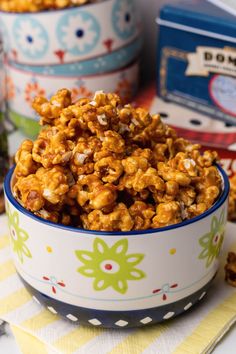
78	33
123	18
31	37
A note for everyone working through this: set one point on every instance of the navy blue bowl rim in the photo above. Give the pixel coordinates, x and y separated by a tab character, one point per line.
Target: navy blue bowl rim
42	12
220	201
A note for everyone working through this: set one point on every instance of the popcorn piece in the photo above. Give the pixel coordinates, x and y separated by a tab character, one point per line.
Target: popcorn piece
52	148
230	269
82	157
94	193
113	142
52	216
232	199
169	173
54	183
118	220
142	215
108	169
25	165
148	179
50	110
167	214
208	186
196	209
133	164
28	191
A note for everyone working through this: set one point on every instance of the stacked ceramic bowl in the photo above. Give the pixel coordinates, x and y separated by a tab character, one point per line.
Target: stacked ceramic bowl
2	91
87	48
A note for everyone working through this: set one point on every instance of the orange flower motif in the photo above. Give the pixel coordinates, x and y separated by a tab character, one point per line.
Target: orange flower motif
9	88
124	89
78	92
33	89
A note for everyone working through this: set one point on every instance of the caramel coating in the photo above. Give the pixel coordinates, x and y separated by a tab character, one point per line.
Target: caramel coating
95	194
208	186
232	199
167	214
82	160
113	142
38	5
52	216
103	166
108	169
52	148
170	174
118	220
45	185
50	110
133	164
148	179
142	215
230	269
28	191
25	165
54	183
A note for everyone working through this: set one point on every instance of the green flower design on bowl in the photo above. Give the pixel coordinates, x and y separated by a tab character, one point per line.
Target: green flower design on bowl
18	236
212	241
110	266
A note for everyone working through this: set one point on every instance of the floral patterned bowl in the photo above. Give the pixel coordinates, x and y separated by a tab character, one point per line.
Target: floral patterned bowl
103	64
23	86
2	80
117	279
70	35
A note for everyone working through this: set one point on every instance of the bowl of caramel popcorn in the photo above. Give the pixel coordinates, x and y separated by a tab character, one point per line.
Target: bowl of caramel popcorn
54	32
114	220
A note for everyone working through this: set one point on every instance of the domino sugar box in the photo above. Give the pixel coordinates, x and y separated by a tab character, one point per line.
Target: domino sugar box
197	58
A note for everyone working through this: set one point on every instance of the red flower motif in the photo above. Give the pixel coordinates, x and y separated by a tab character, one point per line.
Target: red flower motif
165	290
54	283
108	43
60	54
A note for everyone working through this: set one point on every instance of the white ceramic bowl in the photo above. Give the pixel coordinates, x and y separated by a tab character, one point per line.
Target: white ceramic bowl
117	279
2	78
70	35
23	86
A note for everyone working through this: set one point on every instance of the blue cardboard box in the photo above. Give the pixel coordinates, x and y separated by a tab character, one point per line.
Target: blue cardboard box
197	58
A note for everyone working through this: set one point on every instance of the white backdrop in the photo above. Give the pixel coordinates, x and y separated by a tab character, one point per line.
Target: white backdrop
149	11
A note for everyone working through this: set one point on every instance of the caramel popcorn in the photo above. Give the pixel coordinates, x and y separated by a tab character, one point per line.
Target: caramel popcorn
39	5
167	213
102	166
93	192
24	160
142	215
118	219
232	199
52	148
230	269
109	169
28	190
82	160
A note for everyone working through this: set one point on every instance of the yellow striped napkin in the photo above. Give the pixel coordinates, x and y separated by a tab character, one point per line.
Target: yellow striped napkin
40	332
